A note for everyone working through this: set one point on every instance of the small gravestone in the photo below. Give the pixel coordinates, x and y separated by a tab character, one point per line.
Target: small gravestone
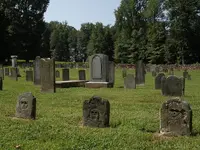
65	74
154	73
81	74
14	73
189	77
1	84
29	75
47	74
36	69
140	73
176	118
129	82
57	74
158	80
185	74
26	106
7	72
96	112
124	72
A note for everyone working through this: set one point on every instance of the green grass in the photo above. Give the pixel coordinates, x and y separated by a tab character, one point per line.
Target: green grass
134	118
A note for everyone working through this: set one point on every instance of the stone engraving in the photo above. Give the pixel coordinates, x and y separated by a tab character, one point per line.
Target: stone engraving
140	73
96	112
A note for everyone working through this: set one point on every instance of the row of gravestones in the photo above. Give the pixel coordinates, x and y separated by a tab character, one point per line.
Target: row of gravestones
176	115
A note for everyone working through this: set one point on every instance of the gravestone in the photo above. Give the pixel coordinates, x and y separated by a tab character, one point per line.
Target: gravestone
36	69
7	72
176	118
158	80
185	74
1	84
82	75
163	86
124	72
29	75
111	70
57	74
96	112
140	73
154	73
14	73
26	106
14	61
47	74
2	73
173	86
129	82
65	74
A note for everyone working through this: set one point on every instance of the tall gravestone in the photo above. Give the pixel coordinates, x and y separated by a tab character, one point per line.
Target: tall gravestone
129	82
176	118
1	84
82	75
26	106
140	73
111	70
47	74
7	72
36	69
65	74
99	72
29	75
14	73
96	112
158	80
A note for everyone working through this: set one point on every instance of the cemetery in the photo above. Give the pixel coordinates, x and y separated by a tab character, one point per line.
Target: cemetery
139	110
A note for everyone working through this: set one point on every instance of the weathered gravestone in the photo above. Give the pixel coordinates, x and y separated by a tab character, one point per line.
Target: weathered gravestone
172	86
129	82
111	70
29	75
14	73
99	72
57	74
81	74
65	74
96	112
1	84
154	73
7	72
176	118
36	68
158	80
26	106
140	73
185	74
47	74
124	72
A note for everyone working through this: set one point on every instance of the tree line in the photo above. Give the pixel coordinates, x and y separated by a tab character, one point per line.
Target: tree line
155	31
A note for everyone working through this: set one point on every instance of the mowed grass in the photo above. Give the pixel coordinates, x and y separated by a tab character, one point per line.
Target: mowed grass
134	117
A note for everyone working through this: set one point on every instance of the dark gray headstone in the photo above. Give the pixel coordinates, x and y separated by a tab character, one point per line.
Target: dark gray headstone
158	80
36	68
65	74
7	72
99	68
47	74
129	82
111	70
176	118
14	73
96	112
26	106
1	84
57	74
124	72
29	75
140	73
82	75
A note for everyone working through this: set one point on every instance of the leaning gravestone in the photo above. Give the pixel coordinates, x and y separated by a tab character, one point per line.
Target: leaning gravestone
81	74
140	73
65	74
96	112
26	106
129	82
173	86
47	73
1	84
29	75
7	72
185	74
36	68
57	74
176	118
158	80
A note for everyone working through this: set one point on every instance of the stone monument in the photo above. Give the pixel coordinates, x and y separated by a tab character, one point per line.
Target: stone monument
140	73
36	69
129	82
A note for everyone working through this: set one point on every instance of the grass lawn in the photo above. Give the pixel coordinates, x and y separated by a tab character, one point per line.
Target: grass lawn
134	118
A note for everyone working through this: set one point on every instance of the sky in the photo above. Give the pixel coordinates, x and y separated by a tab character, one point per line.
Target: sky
76	12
